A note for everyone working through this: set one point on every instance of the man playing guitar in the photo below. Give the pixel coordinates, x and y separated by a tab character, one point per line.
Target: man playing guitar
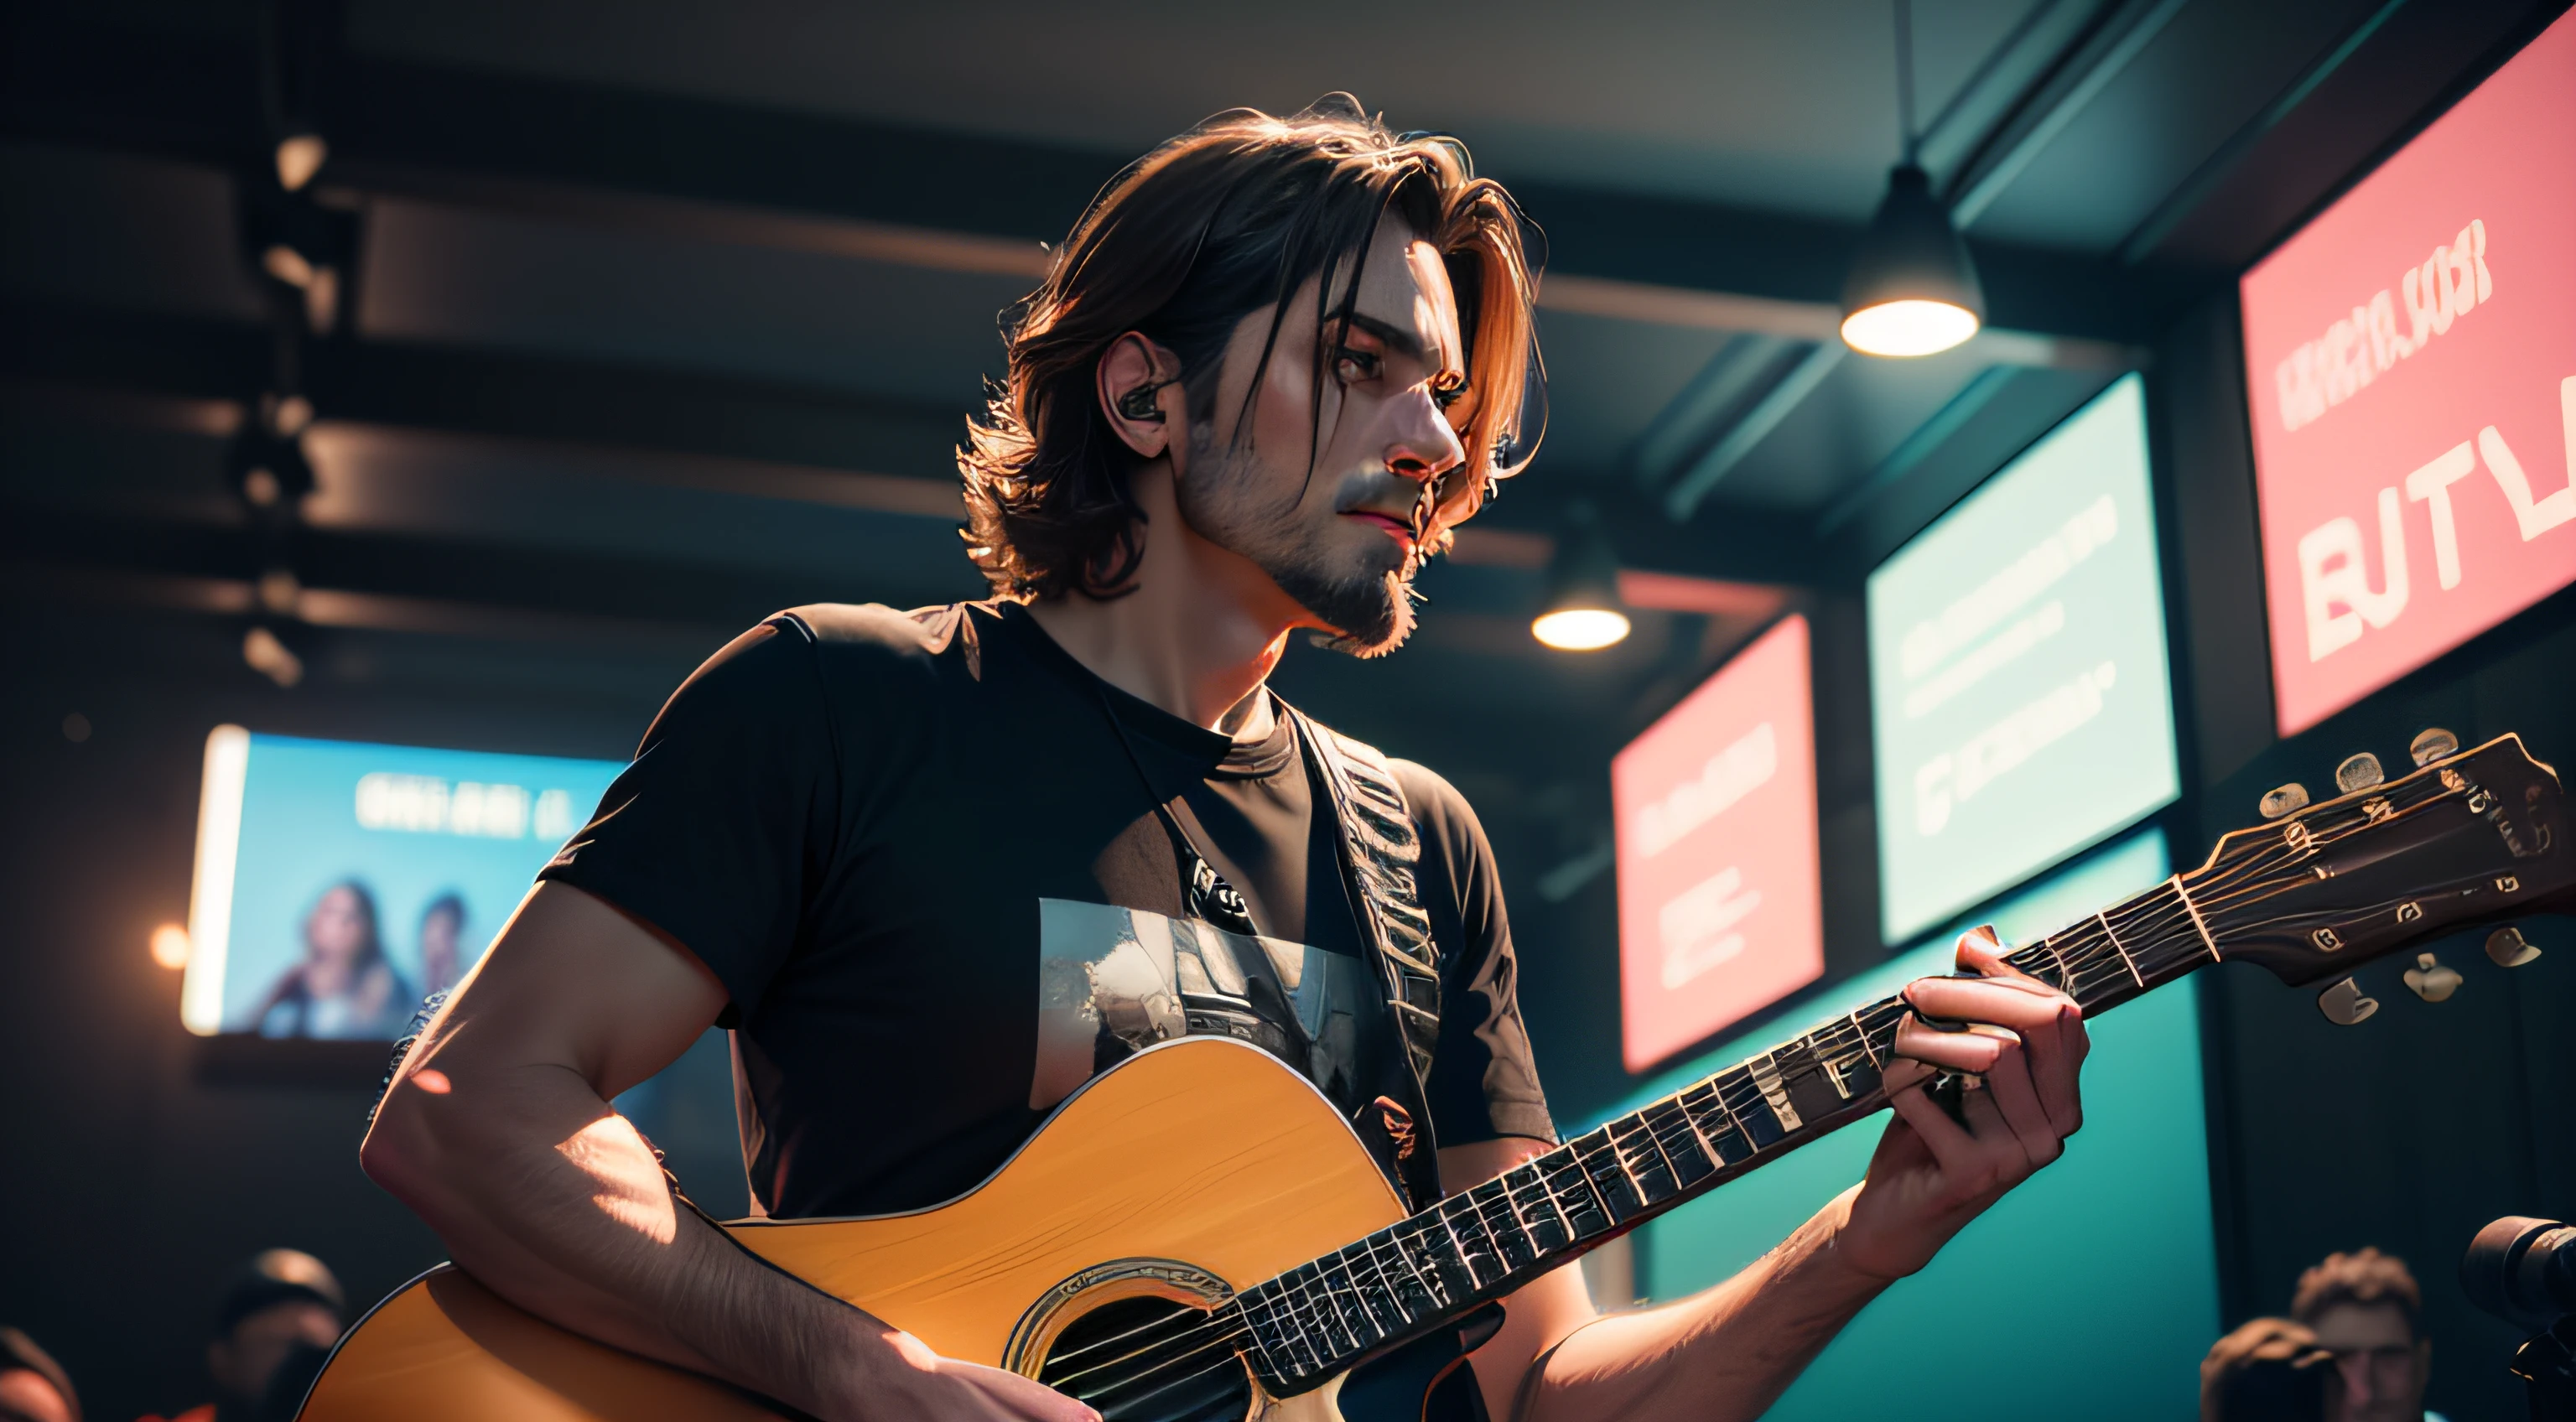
916	861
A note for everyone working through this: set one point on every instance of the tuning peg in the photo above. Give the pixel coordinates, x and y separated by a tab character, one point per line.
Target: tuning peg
2429	980
2276	803
2433	744
2359	773
2508	948
2344	1006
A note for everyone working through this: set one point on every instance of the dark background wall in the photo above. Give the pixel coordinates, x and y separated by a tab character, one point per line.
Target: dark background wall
2415	1128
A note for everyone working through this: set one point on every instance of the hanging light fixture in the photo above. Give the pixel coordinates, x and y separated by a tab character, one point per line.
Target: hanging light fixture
1582	612
1913	288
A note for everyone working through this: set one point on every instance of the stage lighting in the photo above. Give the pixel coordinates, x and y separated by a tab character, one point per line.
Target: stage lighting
1582	612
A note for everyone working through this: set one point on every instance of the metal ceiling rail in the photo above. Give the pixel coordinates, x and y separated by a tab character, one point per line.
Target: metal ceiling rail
2061	95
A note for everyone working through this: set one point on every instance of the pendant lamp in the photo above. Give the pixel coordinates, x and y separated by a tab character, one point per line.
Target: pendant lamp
1913	288
1582	612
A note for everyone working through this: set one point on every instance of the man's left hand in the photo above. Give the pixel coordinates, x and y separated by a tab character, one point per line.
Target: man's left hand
1931	1174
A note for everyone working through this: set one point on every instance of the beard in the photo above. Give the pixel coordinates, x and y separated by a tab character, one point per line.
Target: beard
1370	613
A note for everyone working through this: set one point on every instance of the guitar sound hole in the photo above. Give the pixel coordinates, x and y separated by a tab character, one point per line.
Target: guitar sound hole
1148	1360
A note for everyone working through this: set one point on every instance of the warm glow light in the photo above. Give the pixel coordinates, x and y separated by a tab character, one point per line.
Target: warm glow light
1581	629
299	157
1908	328
170	946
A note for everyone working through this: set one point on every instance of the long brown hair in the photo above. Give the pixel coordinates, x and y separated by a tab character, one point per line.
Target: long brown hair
1214	225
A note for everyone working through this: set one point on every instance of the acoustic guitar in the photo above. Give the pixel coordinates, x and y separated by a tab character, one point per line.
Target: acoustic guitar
1196	1234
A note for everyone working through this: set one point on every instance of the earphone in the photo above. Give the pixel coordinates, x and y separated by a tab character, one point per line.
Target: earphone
1138	404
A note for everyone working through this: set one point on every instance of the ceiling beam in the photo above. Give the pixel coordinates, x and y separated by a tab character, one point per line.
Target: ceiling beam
498	394
883	192
2098	55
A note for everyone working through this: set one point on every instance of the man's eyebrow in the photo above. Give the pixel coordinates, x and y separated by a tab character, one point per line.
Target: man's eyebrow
1398	338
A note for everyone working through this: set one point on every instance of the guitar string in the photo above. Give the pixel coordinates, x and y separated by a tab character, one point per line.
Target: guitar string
1663	1136
2087	958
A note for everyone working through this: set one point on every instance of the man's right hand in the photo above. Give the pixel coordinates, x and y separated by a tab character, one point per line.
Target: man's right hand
954	1391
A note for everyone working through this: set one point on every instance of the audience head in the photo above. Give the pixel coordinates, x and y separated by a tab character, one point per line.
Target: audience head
2367	1310
284	1306
33	1387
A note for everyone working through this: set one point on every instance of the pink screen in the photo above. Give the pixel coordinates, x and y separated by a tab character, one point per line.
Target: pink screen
1719	914
2411	366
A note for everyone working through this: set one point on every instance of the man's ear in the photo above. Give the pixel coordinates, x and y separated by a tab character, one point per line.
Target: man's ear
1139	390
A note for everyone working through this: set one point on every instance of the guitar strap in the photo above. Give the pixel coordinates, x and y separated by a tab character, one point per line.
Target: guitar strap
1379	848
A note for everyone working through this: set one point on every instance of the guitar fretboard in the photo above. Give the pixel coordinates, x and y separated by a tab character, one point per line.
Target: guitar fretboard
1428	1270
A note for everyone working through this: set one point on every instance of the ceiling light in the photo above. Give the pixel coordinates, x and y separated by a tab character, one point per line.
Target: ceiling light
1913	288
1582	612
299	157
271	658
170	946
1581	629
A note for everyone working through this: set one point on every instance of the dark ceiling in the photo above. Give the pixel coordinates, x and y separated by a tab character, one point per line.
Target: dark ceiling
655	316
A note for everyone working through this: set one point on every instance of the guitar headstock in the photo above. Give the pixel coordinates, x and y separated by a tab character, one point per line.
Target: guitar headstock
2471	837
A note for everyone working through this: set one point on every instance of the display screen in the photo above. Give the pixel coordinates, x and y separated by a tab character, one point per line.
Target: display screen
2142	1161
2018	697
339	883
1715	836
2411	372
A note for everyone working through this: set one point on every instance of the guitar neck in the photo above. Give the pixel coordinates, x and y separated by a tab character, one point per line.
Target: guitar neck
1430	1270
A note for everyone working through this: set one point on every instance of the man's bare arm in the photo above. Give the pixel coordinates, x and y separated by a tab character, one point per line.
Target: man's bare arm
498	1132
1730	1351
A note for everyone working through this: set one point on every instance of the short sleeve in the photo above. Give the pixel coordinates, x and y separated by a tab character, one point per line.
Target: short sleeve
719	829
1483	1081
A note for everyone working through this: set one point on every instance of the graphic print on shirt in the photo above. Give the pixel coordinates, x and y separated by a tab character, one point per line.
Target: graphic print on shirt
1114	981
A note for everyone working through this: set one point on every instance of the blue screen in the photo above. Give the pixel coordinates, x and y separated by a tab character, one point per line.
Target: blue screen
2018	696
2094	1286
340	882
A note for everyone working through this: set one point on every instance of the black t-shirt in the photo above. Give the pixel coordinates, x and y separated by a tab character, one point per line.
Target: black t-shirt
935	885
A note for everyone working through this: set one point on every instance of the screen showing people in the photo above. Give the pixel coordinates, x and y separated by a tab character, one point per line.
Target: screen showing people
1714	810
2018	696
339	883
2411	369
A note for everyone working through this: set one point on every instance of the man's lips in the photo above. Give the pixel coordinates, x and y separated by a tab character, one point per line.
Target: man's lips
1401	530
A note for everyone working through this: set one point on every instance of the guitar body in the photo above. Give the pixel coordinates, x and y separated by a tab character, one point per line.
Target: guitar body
1191	1170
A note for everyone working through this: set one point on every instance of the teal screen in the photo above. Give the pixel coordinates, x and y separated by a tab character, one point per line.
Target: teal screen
2094	1286
2018	698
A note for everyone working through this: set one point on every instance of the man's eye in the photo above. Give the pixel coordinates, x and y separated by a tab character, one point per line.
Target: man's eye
1448	393
1352	364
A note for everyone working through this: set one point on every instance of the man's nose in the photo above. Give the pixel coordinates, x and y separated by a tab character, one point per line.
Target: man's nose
1424	448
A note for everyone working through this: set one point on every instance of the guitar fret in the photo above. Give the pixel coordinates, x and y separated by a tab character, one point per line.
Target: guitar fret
1510	1237
1294	1338
1320	1316
2194	910
1642	1173
1689	1158
1453	1260
1865	1044
1766	1078
1591	1212
1473	1242
1716	1088
1252	1330
1551	1234
1357	1295
1706	1147
2126	961
1392	1288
